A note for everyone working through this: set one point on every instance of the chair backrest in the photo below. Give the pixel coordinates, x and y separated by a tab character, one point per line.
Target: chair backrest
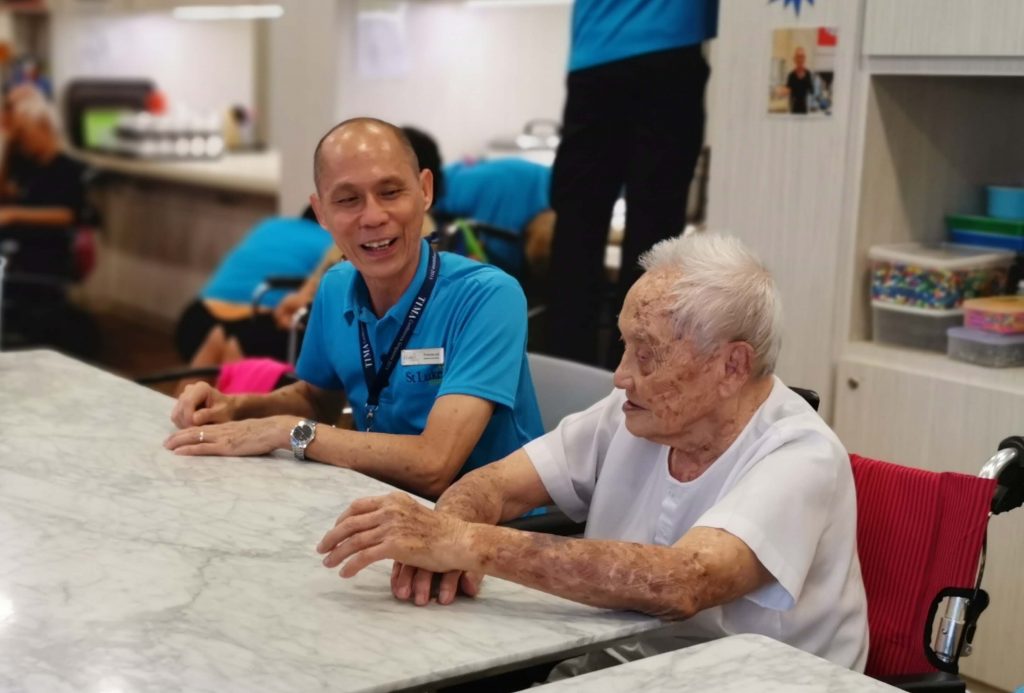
917	533
565	387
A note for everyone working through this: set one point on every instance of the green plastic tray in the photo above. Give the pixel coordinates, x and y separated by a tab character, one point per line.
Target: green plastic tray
966	222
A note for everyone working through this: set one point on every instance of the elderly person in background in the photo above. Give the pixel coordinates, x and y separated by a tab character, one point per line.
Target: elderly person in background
40	187
713	494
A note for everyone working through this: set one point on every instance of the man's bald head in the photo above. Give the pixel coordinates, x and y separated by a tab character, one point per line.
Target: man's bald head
362	127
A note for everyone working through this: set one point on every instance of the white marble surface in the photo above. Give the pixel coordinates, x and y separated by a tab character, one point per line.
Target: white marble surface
249	172
737	664
125	568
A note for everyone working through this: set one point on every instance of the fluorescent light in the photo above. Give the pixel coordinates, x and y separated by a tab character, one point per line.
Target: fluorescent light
212	12
515	3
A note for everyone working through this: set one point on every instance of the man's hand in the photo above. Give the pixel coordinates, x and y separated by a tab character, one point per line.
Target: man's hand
416	584
396	527
234	438
201	404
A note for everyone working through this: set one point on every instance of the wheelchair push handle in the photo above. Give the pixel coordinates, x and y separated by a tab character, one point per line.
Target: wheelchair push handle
1007	468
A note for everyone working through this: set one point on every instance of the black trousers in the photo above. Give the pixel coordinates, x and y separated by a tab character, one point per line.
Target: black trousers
636	123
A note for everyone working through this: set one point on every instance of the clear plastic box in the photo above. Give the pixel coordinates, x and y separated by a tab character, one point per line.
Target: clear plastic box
986	348
936	276
913	327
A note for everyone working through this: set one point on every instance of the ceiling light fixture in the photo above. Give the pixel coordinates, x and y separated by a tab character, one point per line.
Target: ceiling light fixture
215	12
515	3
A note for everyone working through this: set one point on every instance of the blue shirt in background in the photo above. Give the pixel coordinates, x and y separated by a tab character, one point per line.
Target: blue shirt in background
607	30
476	313
506	193
280	246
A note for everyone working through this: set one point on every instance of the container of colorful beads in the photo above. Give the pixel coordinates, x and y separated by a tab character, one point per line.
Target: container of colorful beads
936	276
1000	314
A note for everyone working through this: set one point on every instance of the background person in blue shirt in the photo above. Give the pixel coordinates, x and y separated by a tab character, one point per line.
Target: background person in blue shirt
460	397
511	194
282	246
634	117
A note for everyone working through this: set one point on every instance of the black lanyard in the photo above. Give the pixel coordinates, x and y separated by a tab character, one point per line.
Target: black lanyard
376	380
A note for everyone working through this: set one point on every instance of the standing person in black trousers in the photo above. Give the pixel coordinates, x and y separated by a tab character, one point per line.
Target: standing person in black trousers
634	117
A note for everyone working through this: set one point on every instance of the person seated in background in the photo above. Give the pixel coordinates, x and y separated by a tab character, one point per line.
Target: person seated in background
221	325
713	493
40	187
510	194
428	347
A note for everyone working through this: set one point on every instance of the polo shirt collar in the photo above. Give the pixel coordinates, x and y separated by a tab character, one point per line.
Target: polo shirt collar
357	302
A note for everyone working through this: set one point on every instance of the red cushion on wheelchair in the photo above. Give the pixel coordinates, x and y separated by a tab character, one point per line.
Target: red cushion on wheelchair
917	533
251	376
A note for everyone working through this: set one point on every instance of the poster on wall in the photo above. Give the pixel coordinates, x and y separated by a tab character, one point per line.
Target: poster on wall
802	71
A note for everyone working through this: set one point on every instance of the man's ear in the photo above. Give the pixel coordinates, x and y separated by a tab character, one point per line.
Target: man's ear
427	186
314	202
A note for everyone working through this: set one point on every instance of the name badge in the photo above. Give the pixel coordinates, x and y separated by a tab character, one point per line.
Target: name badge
423	357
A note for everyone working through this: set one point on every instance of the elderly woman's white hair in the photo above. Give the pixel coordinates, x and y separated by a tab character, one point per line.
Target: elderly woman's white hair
32	106
723	293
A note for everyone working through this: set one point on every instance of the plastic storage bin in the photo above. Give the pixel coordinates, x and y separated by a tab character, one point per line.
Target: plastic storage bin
1001	314
986	231
937	276
986	348
1005	202
919	328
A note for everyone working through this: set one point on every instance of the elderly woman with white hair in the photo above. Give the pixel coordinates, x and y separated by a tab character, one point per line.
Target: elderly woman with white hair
42	185
713	494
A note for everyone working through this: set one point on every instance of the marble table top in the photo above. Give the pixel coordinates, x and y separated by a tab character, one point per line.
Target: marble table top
737	664
125	568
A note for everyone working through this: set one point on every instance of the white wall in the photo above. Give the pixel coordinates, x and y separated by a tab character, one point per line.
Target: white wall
779	182
474	73
203	66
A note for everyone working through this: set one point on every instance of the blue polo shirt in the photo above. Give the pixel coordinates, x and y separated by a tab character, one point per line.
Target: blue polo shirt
607	30
284	246
476	313
507	193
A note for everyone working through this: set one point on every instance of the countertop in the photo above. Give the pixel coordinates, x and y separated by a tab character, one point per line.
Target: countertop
737	664
249	172
124	567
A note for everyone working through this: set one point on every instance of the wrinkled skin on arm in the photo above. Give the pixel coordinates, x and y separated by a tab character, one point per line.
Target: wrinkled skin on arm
495	493
705	568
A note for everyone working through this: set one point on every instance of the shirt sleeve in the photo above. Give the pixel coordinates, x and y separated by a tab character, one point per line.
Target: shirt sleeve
569	458
486	355
781	509
314	365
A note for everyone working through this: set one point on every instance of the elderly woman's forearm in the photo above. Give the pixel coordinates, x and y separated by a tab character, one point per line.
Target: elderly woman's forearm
657	580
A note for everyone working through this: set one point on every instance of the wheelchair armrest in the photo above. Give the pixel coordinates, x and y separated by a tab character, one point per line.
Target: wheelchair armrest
554	521
937	682
275	283
178	374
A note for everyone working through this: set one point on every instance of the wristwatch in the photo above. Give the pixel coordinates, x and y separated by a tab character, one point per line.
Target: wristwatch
302	435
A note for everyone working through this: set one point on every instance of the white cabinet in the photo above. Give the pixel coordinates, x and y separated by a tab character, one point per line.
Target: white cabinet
923	410
922	28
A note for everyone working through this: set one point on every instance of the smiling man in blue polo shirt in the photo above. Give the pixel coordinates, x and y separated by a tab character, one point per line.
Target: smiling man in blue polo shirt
429	348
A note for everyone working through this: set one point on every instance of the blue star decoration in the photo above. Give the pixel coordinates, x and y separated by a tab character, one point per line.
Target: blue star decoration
794	3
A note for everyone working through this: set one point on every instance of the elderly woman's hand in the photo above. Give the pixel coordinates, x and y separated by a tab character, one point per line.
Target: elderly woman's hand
396	527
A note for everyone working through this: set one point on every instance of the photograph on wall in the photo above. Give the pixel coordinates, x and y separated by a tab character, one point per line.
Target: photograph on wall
802	71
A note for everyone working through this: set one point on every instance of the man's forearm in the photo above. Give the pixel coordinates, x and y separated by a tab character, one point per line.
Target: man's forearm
406	461
296	399
662	581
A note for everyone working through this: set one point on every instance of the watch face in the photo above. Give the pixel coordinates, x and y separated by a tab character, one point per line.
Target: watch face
302	433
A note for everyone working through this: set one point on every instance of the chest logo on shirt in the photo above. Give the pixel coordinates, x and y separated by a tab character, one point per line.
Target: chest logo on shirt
428	376
423	357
